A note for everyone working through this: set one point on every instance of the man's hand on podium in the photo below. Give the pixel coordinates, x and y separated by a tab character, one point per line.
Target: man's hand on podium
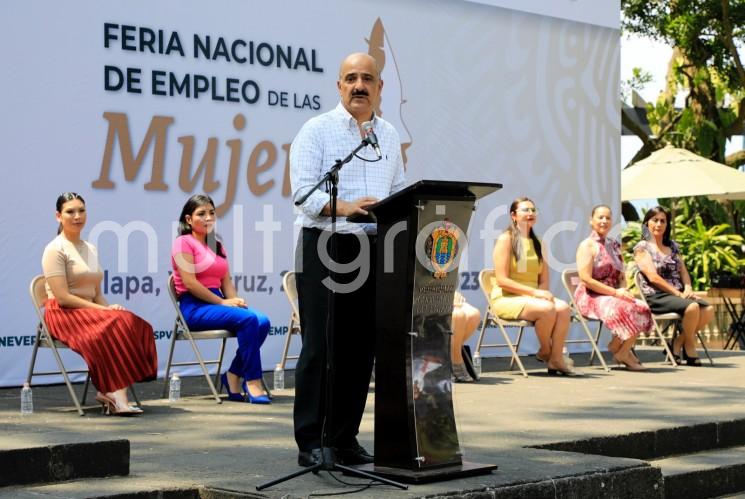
349	208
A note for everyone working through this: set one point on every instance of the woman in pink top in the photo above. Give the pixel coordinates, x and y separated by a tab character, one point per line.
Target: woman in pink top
208	300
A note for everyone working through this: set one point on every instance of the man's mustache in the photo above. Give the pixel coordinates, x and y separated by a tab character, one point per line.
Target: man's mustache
359	93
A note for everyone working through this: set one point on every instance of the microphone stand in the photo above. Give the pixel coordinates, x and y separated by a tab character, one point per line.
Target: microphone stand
328	456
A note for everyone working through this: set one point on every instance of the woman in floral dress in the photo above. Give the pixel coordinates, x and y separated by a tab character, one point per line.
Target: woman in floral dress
602	292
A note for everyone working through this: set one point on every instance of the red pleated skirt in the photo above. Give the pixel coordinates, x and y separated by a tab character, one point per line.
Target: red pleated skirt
117	345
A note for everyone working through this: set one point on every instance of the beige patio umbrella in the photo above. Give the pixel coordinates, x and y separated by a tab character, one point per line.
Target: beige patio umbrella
672	172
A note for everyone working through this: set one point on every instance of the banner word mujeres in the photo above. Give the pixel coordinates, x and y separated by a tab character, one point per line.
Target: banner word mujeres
262	158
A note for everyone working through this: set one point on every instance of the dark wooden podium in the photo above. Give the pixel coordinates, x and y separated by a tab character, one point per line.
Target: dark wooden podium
421	236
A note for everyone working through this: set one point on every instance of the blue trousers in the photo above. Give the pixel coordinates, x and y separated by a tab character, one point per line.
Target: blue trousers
251	327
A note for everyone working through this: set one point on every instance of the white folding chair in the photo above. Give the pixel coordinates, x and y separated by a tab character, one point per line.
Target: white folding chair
290	288
182	332
570	280
671	320
44	339
485	281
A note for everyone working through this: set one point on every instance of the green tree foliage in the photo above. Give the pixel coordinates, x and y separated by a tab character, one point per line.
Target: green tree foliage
706	68
707	249
639	79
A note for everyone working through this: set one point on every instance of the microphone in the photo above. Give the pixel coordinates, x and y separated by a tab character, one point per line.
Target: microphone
371	138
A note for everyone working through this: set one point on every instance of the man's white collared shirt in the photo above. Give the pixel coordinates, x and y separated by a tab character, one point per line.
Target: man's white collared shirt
331	136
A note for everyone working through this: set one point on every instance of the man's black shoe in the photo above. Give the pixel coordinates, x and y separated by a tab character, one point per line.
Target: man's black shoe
311	457
353	455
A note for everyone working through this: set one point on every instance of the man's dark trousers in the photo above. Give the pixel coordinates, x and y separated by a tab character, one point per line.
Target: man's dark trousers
352	344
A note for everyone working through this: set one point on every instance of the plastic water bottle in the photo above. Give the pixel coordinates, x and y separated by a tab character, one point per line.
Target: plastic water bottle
477	364
279	377
567	359
174	388
27	400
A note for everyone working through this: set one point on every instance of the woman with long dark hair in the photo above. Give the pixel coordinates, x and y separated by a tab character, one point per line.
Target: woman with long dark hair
117	345
208	299
521	286
666	283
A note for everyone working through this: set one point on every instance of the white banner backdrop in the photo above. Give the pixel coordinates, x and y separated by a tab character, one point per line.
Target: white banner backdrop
138	105
600	12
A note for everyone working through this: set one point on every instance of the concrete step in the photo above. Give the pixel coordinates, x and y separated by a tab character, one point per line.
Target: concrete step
125	489
703	460
56	463
703	474
524	473
186	493
660	443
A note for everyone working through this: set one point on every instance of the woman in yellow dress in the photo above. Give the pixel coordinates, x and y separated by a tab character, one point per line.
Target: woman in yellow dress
521	285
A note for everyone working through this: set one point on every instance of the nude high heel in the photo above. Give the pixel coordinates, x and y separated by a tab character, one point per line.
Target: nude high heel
565	371
630	366
109	407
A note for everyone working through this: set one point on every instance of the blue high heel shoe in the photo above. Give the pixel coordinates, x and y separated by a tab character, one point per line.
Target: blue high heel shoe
261	399
233	397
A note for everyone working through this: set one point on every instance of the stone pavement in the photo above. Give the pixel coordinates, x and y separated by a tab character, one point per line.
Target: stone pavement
197	442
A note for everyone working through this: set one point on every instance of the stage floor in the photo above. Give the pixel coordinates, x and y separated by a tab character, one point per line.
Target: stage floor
197	442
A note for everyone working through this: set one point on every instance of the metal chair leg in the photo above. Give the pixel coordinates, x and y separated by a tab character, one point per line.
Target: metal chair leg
668	353
218	380
481	334
134	394
33	355
67	380
594	344
706	350
170	359
598	332
286	349
204	368
266	388
85	387
737	334
517	345
513	350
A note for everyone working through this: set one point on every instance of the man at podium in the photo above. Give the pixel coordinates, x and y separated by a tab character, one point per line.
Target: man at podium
373	174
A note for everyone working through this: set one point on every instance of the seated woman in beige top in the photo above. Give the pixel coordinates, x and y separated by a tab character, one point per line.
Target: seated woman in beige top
521	291
117	345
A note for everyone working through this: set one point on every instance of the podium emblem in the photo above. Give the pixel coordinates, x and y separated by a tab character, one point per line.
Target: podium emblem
442	248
